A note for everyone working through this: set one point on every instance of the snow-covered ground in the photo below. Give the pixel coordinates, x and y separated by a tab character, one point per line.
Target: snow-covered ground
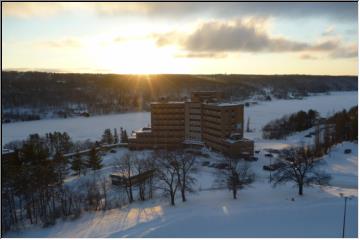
259	211
343	167
326	105
82	128
79	128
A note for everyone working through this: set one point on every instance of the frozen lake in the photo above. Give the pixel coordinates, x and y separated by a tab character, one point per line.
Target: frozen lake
82	128
79	128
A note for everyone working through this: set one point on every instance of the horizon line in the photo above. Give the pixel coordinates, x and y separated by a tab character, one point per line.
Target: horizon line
55	71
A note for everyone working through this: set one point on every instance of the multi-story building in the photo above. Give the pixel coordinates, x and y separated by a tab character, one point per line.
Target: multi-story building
204	120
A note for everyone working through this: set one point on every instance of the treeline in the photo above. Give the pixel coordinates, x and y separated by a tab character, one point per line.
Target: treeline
345	125
286	125
62	142
112	138
34	189
55	142
342	126
66	95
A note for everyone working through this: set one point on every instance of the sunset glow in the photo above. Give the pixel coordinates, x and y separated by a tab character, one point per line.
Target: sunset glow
148	38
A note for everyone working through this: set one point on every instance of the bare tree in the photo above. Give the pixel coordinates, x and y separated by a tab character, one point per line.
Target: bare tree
104	185
235	175
317	142
125	167
150	164
167	174
140	167
248	125
93	196
302	169
185	167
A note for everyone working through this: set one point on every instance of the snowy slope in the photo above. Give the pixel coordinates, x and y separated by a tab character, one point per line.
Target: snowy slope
260	211
343	167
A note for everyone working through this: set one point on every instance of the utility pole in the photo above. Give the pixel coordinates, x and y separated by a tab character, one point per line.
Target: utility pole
270	170
270	178
344	218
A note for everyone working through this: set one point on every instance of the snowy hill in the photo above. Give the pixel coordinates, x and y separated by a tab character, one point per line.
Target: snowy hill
259	211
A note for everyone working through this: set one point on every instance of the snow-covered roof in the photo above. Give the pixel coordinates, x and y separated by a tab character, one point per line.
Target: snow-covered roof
168	102
144	129
6	151
193	141
229	140
224	104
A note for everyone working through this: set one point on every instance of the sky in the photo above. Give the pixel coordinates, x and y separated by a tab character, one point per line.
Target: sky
189	38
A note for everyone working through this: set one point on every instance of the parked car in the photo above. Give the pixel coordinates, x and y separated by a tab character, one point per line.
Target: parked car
221	165
273	167
273	150
212	165
113	151
252	159
206	163
347	151
269	155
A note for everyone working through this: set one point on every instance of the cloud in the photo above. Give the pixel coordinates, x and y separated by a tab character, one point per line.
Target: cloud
163	39
331	10
330	31
346	11
306	56
61	43
215	37
326	45
223	36
345	52
202	55
29	9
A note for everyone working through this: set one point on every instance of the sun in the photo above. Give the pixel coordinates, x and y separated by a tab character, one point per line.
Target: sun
136	57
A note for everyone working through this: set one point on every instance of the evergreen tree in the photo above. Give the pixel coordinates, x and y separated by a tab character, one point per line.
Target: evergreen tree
60	165
248	125
107	137
94	161
327	138
124	137
317	142
77	163
121	134
116	136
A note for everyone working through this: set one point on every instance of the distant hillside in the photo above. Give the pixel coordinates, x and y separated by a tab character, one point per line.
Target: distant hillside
35	95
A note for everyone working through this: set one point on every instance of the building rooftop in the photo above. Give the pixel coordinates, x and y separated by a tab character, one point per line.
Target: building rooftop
168	102
224	104
193	142
234	140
